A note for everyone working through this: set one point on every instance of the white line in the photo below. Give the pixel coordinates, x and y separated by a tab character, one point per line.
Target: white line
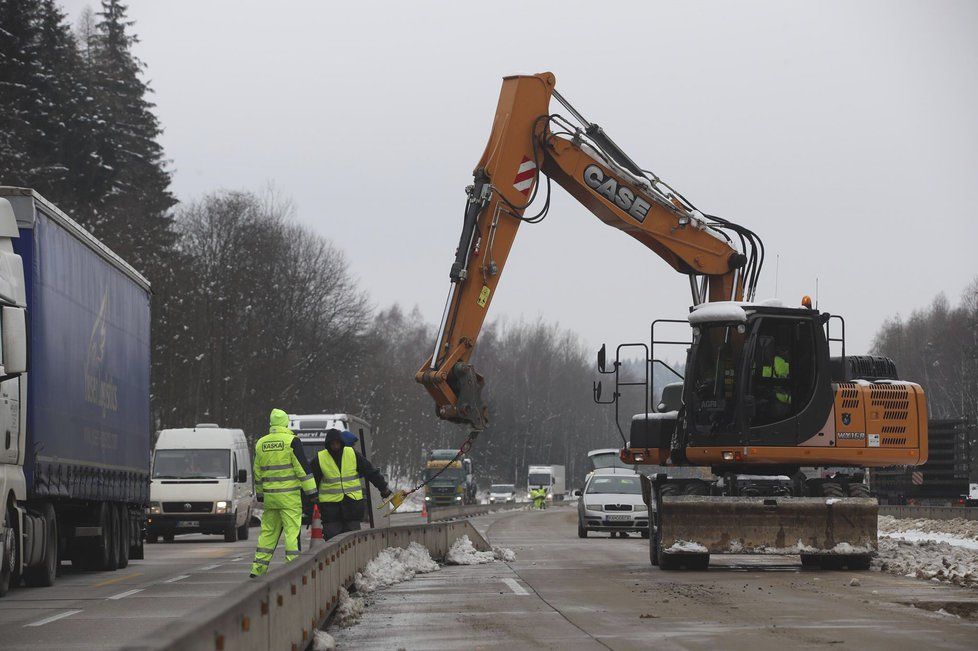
127	593
209	567
52	618
239	558
177	578
515	587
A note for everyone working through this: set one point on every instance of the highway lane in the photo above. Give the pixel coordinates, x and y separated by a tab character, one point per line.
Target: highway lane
106	610
599	592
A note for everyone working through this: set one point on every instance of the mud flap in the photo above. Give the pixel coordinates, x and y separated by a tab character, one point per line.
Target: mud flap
768	525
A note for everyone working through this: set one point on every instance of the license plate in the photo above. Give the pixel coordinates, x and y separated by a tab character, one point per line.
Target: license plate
188	524
618	517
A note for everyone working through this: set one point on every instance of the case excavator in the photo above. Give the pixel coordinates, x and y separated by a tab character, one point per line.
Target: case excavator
785	428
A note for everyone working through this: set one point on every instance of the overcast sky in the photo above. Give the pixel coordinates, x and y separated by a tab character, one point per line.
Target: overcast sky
844	133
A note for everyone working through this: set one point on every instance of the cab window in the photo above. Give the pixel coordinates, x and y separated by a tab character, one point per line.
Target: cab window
718	355
782	369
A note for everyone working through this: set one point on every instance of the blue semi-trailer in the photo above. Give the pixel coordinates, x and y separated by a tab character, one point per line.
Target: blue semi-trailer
74	396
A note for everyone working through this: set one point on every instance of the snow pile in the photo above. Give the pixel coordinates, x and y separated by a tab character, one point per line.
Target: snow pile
957	532
323	641
687	547
348	609
394	565
927	559
462	552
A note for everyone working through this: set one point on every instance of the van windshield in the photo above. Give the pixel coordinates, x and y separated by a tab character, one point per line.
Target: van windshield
192	464
502	488
539	479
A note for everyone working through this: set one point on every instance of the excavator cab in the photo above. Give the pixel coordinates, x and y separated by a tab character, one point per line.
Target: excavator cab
757	377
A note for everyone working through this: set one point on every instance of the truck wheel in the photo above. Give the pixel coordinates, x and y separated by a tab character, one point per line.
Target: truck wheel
231	533
136	550
123	537
858	490
8	561
581	531
112	540
44	574
95	555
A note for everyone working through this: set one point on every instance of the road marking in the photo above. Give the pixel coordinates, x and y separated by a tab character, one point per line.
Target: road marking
209	567
52	618
515	587
177	578
117	579
238	558
127	593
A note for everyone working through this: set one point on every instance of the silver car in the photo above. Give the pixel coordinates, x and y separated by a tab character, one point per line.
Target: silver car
612	502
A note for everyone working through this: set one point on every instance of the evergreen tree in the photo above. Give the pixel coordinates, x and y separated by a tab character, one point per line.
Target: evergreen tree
19	95
134	218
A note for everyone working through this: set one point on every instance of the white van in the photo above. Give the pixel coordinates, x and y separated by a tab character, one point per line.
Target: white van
201	483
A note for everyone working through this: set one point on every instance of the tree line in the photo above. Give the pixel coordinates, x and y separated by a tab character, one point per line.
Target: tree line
937	346
252	310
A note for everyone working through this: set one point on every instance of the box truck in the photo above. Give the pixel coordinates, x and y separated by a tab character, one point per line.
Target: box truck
74	396
549	477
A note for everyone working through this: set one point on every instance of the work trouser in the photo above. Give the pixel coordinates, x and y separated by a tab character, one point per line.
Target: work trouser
336	527
273	523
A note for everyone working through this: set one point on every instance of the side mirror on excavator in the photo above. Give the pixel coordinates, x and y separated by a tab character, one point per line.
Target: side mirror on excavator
601	358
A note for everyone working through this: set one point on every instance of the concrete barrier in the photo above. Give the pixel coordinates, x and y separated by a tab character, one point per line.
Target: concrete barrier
931	512
281	610
439	513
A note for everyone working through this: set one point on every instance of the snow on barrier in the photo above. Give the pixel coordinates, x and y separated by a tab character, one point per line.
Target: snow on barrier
931	512
283	610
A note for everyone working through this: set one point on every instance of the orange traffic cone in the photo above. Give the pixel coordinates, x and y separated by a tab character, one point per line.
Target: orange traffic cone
317	524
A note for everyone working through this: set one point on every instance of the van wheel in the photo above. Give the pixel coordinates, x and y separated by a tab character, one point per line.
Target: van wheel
231	534
168	537
8	560
243	531
581	531
44	574
152	538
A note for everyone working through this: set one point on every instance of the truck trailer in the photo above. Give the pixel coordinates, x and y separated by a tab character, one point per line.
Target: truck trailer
74	461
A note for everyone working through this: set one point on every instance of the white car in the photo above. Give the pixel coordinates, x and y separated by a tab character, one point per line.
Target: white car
502	493
612	502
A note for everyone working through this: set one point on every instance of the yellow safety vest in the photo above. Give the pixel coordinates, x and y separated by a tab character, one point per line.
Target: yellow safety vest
337	482
781	370
278	474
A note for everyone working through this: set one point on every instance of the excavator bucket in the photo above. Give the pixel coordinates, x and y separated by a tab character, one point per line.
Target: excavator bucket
816	526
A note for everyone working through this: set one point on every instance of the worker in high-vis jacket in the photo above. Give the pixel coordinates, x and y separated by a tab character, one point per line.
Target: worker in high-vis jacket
338	471
281	478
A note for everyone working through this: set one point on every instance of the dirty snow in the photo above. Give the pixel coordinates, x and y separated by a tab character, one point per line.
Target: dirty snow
348	609
463	552
687	546
928	560
323	641
394	565
957	532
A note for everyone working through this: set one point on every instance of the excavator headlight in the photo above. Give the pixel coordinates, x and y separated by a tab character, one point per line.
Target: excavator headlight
732	455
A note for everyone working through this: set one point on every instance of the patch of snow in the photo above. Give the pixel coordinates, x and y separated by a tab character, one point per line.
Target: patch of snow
348	609
928	560
913	535
848	548
463	552
832	500
687	546
854	582
725	311
655	415
323	641
394	565
957	531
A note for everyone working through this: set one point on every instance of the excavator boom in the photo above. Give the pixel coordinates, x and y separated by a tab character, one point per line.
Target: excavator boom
507	178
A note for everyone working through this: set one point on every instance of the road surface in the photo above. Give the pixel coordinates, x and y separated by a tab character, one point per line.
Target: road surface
107	610
599	592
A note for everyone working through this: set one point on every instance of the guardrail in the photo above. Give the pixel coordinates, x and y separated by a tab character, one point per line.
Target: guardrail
441	513
930	512
283	609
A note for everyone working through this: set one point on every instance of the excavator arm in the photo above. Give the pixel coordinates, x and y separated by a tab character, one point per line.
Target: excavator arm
528	147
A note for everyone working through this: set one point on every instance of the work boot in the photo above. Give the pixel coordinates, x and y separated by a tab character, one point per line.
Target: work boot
252	576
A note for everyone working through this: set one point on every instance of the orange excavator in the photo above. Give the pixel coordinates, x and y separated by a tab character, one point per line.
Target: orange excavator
786	429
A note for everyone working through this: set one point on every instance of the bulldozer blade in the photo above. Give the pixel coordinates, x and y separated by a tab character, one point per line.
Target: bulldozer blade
768	525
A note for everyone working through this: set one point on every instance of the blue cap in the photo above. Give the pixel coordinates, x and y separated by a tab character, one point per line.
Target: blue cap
349	438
